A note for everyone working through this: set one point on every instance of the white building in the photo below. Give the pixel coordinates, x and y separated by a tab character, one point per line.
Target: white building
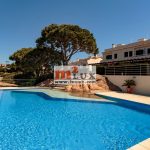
132	51
93	60
3	65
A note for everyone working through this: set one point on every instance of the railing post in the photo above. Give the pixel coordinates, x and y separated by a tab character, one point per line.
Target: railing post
140	69
114	70
148	69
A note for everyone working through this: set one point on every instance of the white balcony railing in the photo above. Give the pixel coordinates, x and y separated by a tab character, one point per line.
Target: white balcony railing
128	58
139	70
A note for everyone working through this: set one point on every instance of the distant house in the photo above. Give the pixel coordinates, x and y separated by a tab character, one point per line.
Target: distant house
93	60
3	65
79	62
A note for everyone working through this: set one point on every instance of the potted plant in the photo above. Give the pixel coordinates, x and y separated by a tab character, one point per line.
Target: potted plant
129	84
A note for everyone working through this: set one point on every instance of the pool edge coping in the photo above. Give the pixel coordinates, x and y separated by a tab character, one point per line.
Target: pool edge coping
127	103
144	145
122	99
48	97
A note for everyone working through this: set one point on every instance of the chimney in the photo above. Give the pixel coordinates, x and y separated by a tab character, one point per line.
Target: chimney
113	45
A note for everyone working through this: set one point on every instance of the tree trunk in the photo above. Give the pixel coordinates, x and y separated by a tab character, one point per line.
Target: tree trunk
65	63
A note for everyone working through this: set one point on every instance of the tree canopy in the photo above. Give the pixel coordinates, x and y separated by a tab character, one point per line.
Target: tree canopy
40	61
36	60
18	56
67	40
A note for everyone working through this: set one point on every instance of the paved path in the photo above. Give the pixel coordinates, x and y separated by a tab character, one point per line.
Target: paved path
145	145
3	84
126	96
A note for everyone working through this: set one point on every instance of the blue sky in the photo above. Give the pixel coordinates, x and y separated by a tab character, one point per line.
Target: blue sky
111	21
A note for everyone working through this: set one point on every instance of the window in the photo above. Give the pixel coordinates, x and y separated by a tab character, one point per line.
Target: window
125	54
115	56
109	57
139	52
130	53
148	51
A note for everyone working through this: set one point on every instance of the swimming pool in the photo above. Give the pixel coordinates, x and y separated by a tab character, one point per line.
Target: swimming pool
36	121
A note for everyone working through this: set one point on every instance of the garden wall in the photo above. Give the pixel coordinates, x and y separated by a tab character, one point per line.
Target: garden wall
142	83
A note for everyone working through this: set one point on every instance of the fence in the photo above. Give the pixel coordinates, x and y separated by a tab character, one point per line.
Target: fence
137	70
21	82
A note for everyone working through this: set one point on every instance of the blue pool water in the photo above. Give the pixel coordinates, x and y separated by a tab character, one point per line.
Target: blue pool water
31	121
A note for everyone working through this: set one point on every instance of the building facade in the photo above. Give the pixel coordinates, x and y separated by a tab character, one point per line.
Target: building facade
129	59
128	62
134	51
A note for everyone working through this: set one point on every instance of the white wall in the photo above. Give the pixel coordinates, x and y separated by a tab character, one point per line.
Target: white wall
142	83
120	53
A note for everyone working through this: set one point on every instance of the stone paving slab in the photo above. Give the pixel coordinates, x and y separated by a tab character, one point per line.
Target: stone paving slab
126	96
144	145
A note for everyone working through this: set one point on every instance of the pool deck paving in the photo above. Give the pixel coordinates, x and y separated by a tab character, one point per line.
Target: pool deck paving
125	96
144	145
